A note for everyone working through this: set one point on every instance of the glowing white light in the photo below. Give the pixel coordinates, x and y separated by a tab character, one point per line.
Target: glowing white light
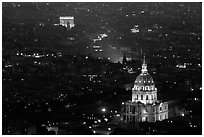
142	12
96	47
67	17
103	110
106	119
182	114
149	30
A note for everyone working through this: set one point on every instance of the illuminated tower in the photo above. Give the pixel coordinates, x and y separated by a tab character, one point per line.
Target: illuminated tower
144	105
67	21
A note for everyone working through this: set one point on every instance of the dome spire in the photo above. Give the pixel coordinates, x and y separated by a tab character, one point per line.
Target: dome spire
124	60
144	66
144	60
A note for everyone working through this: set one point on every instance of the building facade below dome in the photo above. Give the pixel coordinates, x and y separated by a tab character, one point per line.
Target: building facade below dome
144	105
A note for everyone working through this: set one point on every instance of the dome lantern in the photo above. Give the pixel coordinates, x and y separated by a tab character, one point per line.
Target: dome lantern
144	66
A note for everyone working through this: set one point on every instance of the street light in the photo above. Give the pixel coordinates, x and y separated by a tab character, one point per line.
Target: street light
103	110
106	119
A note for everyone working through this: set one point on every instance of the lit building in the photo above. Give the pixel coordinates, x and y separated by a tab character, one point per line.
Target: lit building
97	48
67	21
126	68
144	105
135	29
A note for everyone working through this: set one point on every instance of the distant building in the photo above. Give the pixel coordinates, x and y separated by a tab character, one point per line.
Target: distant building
124	60
67	21
177	109
126	68
144	105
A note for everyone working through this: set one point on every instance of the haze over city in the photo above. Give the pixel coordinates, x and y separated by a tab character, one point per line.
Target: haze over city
110	68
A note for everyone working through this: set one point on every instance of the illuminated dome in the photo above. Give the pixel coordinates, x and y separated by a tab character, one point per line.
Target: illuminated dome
144	79
144	89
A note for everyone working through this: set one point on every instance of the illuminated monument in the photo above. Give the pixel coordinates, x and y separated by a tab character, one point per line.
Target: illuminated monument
67	21
144	105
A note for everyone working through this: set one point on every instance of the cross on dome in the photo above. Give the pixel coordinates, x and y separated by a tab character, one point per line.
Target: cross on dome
144	60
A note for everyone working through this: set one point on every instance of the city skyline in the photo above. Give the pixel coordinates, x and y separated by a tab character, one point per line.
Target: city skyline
102	68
